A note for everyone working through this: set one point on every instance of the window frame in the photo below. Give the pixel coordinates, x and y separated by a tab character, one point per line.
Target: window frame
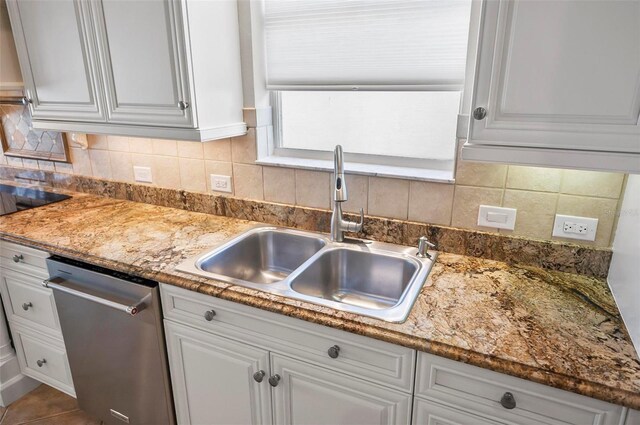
268	124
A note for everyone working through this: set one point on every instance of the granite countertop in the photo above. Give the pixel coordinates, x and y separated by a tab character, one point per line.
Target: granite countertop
555	328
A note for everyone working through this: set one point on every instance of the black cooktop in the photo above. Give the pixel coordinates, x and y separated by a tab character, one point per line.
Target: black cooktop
14	199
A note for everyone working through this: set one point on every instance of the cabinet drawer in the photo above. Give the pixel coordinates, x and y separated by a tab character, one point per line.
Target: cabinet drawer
23	259
43	358
426	412
480	390
28	302
358	356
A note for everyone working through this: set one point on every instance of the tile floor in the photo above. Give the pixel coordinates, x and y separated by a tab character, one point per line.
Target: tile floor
45	406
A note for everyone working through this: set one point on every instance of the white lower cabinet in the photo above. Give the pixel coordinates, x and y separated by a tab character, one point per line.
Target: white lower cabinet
503	398
229	365
234	364
213	380
32	315
308	394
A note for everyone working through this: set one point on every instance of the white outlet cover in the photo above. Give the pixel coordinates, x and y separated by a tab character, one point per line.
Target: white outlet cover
220	183
497	217
142	174
590	223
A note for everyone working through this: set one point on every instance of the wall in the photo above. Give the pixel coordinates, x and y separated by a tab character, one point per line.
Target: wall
537	193
625	264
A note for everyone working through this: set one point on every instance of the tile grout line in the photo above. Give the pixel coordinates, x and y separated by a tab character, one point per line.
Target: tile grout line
31	421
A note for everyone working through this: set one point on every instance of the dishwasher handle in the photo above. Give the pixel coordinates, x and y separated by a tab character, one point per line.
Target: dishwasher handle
57	283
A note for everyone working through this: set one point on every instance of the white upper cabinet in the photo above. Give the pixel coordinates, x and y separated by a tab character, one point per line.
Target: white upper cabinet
145	68
557	83
145	76
57	58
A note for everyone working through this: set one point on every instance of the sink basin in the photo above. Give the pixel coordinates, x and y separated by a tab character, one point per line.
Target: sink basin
369	278
262	256
359	278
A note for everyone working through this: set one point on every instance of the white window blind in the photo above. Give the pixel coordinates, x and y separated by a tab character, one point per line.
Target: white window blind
366	44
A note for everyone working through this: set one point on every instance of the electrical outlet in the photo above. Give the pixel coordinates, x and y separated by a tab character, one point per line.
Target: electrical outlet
220	183
142	174
497	217
568	226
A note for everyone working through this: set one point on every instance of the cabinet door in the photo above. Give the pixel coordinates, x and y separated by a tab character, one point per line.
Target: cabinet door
57	56
142	49
558	75
429	413
212	379
308	394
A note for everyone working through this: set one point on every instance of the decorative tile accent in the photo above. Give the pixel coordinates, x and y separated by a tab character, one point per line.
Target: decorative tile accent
20	139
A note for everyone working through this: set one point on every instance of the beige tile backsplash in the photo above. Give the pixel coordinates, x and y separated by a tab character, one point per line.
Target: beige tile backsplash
537	193
388	197
313	188
279	185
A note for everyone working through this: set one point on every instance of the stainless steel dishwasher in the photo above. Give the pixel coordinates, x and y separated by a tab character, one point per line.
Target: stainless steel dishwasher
112	328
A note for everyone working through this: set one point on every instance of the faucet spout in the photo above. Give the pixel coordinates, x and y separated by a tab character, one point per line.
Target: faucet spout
338	224
339	184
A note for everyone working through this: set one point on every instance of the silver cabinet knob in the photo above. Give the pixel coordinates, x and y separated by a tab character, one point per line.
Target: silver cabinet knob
274	380
209	315
508	401
479	113
17	258
25	306
41	363
334	352
183	105
259	376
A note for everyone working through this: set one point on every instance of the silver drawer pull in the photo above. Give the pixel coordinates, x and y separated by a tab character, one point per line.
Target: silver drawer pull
183	105
209	315
274	380
41	363
25	306
334	352
259	375
508	401
17	258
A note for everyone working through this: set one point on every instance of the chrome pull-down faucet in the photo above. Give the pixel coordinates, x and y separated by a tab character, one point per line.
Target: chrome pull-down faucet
338	224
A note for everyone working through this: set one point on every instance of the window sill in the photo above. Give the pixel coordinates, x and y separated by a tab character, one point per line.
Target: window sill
422	174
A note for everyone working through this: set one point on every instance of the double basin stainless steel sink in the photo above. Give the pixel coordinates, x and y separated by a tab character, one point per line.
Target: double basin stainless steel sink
373	279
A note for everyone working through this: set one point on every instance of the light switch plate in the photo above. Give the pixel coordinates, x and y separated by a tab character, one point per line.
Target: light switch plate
497	217
220	183
572	227
142	174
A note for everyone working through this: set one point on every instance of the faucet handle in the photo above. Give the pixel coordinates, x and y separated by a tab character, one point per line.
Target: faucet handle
352	226
423	246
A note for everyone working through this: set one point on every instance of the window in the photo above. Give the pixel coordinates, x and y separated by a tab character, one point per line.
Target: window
383	78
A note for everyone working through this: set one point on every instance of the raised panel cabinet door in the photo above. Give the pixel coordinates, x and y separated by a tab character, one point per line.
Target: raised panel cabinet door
429	413
558	75
308	394
213	379
57	54
142	48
